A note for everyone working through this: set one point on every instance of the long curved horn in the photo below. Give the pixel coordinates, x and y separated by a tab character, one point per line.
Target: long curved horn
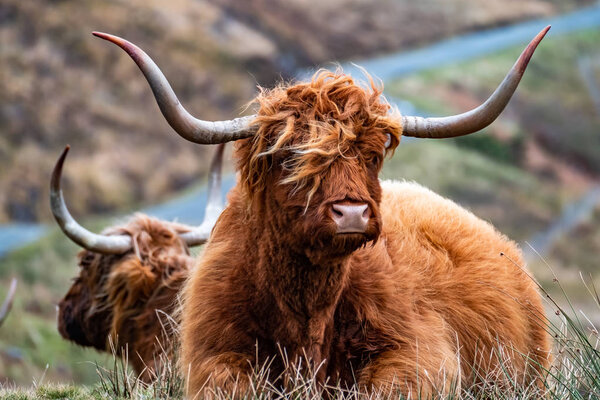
8	301
187	126
214	204
480	117
106	244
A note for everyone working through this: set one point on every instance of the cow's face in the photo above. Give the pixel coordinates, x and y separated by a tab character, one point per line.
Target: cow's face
314	164
111	295
82	314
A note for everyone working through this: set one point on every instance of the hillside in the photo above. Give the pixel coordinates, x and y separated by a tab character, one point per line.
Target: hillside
60	85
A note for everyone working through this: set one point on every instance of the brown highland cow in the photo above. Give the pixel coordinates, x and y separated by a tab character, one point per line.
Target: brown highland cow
130	292
386	285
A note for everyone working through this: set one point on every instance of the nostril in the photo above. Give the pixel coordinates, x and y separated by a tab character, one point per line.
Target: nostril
336	211
367	212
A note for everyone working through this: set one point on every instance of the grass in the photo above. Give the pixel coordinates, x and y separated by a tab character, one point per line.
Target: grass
30	346
574	373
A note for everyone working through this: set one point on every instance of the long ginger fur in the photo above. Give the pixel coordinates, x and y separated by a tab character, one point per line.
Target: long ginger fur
421	303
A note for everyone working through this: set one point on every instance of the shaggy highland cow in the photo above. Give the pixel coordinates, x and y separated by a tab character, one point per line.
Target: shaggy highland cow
130	278
382	284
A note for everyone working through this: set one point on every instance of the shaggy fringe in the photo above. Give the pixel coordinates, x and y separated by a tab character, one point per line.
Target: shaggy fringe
332	110
137	279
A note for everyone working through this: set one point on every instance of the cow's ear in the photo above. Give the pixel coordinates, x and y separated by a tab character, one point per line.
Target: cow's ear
130	280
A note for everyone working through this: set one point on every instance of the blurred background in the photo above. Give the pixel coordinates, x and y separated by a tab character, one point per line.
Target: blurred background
534	173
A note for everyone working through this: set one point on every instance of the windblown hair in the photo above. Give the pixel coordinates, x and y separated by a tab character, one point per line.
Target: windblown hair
406	301
331	110
130	297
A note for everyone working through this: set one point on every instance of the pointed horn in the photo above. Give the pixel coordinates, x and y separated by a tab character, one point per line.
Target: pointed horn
187	126
214	205
117	244
8	301
480	117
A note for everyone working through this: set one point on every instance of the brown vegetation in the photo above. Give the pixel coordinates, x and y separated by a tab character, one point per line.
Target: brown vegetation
58	84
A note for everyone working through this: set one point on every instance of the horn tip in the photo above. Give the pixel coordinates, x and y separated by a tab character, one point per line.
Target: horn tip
101	35
57	172
111	38
64	153
528	52
130	48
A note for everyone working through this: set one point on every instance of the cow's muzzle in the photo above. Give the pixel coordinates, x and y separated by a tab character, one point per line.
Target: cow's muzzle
350	217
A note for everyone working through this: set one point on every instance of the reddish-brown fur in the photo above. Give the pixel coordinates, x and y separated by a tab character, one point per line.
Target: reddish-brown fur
122	295
421	300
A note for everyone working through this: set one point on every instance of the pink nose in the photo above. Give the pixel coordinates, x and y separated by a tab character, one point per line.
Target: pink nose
350	218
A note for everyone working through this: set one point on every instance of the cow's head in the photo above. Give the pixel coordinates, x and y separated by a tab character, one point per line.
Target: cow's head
112	292
310	157
128	273
312	166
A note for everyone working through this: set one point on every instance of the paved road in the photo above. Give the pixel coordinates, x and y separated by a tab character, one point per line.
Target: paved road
190	207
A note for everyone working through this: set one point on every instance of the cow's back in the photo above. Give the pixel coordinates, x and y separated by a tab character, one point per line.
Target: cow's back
459	267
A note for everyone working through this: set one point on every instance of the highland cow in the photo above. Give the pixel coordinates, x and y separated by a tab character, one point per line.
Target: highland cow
130	293
381	284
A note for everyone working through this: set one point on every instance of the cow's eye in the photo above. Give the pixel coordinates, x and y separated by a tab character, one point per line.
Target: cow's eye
374	162
388	142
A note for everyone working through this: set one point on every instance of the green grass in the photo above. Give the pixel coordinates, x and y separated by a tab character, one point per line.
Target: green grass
486	186
30	345
552	104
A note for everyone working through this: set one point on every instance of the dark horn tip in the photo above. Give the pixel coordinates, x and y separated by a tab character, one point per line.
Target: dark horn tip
528	52
101	35
57	172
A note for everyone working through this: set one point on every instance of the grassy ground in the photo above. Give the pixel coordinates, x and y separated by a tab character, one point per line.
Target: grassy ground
30	346
574	374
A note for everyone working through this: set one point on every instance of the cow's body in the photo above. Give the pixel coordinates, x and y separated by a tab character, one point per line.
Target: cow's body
394	289
433	295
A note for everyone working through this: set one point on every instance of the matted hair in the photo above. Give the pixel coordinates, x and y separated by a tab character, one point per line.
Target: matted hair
314	123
